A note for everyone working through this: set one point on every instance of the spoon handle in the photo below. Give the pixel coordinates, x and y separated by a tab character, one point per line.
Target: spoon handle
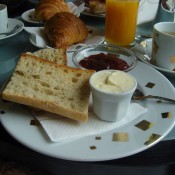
160	98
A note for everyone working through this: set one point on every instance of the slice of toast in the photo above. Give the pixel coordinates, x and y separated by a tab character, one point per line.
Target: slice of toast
51	87
56	55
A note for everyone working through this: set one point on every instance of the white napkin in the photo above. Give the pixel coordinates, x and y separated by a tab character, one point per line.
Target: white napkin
63	129
147	11
76	10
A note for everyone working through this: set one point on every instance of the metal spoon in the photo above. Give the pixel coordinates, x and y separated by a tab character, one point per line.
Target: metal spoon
139	96
12	31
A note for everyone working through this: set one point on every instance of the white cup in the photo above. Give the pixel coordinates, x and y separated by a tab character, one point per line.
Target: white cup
163	45
111	104
3	18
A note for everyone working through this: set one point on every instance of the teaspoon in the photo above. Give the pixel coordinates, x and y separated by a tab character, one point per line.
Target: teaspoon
139	96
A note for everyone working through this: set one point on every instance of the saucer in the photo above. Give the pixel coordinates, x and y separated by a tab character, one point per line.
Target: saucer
11	24
88	13
147	49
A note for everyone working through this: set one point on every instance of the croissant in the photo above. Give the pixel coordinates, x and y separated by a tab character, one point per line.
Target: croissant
65	29
45	9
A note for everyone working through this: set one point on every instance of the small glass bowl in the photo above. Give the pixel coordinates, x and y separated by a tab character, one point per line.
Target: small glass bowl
119	52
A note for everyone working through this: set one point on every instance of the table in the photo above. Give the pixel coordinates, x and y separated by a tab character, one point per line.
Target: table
159	159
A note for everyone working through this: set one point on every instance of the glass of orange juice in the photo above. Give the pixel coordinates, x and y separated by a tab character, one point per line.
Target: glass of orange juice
121	21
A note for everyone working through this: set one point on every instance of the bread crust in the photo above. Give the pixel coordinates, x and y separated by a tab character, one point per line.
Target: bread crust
65	29
58	56
34	83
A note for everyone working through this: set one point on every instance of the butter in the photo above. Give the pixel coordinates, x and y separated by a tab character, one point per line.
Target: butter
113	81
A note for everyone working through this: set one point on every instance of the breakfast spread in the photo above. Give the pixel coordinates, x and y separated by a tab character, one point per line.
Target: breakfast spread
65	29
117	81
52	87
103	61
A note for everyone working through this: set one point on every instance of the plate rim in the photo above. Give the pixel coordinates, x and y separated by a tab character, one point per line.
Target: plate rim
15	33
23	16
68	50
53	146
103	15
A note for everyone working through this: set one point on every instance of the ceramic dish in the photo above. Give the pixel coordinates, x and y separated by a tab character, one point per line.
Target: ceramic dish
11	24
88	13
139	135
28	16
39	40
147	47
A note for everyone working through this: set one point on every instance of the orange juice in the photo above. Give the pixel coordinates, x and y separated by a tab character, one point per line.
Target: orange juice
121	21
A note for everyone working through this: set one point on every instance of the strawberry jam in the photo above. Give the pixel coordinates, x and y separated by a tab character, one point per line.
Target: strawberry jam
102	61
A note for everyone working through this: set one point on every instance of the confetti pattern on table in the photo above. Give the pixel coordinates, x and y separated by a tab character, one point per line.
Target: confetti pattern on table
152	139
150	85
144	125
35	122
93	147
98	138
166	115
120	137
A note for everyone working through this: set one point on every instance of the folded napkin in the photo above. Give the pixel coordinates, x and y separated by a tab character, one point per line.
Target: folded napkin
147	11
62	129
76	10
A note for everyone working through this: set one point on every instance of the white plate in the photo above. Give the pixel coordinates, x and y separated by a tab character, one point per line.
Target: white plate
11	24
39	40
148	51
88	13
28	16
16	120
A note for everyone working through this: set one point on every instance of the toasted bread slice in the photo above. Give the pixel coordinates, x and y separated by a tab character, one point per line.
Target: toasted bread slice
51	87
56	55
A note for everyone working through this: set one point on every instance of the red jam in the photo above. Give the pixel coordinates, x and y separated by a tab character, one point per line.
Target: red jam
102	61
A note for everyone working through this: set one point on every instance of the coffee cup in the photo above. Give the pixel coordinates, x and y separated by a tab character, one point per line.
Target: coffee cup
3	18
163	45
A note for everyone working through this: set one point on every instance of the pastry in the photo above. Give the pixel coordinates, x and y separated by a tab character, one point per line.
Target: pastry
45	9
65	29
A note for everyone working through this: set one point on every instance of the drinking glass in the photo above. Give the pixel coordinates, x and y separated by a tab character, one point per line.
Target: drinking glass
121	21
